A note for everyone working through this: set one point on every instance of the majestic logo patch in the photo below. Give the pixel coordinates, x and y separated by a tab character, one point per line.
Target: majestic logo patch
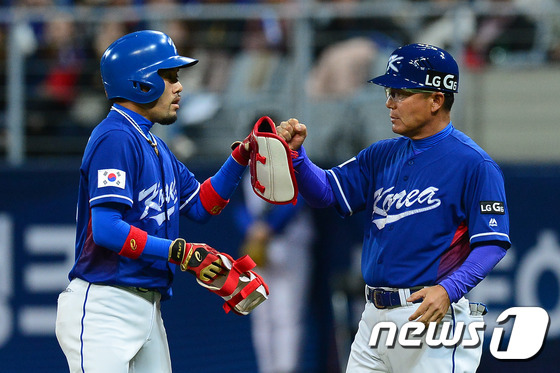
492	207
111	177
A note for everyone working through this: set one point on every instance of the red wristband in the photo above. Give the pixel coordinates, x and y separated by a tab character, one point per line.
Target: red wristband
135	243
240	154
211	200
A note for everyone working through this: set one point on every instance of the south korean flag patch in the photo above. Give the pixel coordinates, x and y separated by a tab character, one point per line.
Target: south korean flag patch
111	177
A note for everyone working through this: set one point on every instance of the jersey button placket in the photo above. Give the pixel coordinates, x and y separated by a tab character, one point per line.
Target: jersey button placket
409	163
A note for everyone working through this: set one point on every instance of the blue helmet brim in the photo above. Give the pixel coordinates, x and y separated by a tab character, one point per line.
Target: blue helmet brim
395	81
177	61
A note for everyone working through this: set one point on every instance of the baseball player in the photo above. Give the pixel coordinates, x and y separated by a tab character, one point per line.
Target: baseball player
279	238
436	214
132	192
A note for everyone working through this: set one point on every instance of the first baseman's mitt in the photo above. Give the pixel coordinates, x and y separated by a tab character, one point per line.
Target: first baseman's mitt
272	172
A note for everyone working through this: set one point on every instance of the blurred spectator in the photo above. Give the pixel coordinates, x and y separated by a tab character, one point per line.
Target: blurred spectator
54	71
279	238
342	69
498	36
90	104
386	32
545	13
457	24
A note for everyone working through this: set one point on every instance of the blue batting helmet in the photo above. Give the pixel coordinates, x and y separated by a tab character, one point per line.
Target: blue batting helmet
129	66
420	66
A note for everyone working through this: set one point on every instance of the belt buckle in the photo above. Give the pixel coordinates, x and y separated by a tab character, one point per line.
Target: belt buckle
376	296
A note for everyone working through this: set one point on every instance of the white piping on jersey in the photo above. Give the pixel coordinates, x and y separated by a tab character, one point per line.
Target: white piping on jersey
488	234
191	197
111	195
152	142
341	192
348	161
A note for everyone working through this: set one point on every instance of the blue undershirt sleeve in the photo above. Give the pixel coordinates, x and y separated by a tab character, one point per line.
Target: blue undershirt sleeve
227	178
110	231
474	269
312	181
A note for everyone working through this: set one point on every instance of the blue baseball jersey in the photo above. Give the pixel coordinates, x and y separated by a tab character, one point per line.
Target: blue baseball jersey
424	210
120	166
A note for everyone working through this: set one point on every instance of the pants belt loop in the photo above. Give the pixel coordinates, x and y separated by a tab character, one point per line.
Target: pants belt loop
403	295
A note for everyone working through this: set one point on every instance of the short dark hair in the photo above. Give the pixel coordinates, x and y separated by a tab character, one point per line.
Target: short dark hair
449	100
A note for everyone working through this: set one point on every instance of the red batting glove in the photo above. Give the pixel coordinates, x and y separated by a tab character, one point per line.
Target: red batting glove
198	258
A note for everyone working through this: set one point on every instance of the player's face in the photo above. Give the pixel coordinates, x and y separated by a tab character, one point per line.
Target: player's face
164	110
411	112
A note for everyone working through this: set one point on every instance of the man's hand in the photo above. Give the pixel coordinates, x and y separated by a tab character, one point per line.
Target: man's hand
198	258
434	306
293	132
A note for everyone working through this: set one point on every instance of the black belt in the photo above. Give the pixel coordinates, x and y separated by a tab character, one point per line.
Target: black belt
151	295
383	298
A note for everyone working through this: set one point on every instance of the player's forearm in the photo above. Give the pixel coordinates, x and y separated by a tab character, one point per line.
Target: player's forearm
216	191
312	181
112	232
227	178
474	269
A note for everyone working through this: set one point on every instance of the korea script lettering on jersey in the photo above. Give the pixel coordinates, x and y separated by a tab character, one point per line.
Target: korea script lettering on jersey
384	200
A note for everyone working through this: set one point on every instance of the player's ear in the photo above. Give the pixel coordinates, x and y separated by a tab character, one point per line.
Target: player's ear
437	101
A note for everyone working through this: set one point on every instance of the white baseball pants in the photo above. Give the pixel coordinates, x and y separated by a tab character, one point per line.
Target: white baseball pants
109	329
397	359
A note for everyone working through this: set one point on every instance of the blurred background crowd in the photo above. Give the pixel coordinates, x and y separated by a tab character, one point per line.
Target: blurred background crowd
277	57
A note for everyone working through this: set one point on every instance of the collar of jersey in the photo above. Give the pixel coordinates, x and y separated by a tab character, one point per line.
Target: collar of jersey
424	144
145	124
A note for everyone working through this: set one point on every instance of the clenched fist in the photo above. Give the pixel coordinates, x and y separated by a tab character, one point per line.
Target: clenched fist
293	132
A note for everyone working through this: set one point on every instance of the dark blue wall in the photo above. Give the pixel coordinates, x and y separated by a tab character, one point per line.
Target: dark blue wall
40	202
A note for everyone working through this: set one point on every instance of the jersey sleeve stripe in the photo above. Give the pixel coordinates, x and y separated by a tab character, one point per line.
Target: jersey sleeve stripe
341	191
348	161
489	234
111	196
191	197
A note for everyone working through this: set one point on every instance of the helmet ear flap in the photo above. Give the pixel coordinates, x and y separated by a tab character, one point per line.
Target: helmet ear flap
147	87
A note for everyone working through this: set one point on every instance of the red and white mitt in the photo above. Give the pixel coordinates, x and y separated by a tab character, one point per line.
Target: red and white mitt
272	172
233	280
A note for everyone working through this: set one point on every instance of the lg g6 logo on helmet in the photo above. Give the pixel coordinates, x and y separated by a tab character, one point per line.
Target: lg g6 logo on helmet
440	80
